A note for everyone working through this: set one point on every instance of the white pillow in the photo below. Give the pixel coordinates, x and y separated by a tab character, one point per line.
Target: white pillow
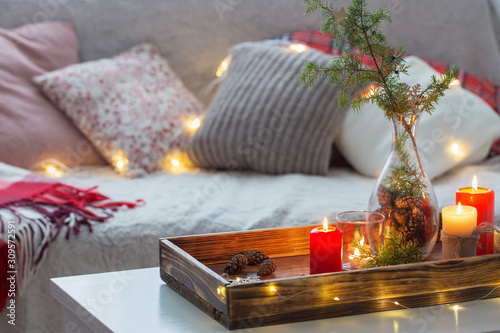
461	120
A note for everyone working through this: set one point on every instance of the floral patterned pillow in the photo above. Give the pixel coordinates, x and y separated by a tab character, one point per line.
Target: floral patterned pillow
132	107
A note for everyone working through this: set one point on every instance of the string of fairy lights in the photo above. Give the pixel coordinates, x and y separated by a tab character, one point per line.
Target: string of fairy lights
273	289
177	161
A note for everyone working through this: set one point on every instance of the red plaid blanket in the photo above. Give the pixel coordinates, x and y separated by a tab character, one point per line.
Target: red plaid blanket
33	211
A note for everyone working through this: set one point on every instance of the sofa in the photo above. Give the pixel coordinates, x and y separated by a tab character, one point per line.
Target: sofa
194	37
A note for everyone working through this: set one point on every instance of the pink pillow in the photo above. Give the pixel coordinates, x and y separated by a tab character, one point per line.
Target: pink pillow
132	107
31	128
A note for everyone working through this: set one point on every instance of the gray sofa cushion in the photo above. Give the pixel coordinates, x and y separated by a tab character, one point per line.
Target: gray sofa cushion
263	119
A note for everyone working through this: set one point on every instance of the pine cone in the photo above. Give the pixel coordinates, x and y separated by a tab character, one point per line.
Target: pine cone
410	218
255	257
267	267
399	217
413	230
236	264
406	201
384	197
387	212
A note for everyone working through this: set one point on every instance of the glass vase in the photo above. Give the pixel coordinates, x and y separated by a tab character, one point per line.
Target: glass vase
403	191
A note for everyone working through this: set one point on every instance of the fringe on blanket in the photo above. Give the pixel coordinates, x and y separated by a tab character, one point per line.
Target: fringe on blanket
36	221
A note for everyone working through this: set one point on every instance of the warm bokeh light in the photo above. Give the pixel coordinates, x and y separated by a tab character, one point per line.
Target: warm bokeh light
224	65
53	169
369	92
193	124
177	162
458	150
297	47
120	161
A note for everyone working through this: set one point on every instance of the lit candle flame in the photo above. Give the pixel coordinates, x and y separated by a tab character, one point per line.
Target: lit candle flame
474	184
325	225
356	250
459	208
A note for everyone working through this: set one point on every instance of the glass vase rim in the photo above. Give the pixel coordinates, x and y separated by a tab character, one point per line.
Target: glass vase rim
381	218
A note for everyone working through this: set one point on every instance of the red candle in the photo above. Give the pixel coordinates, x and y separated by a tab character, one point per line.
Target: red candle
325	249
484	201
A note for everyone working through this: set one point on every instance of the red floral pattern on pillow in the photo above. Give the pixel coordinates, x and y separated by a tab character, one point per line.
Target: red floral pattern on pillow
132	106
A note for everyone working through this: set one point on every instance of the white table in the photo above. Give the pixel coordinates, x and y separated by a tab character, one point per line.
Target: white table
139	301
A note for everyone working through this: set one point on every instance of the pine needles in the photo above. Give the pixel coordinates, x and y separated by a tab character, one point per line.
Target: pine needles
362	30
394	251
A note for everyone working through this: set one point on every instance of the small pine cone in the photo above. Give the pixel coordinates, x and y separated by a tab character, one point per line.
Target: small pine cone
387	212
236	264
406	201
400	217
417	214
412	231
255	257
384	197
267	267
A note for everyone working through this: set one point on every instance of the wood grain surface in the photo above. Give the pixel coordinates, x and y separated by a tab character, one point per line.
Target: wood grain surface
197	262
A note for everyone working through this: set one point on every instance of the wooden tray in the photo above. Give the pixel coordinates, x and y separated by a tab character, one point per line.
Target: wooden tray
193	265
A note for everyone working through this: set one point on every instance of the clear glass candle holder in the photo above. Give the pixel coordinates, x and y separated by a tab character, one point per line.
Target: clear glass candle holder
364	227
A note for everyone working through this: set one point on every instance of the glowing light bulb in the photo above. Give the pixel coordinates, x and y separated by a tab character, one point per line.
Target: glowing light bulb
224	65
193	124
336	299
397	303
458	150
456	307
369	92
177	162
51	168
53	171
221	291
120	161
271	288
297	47
454	83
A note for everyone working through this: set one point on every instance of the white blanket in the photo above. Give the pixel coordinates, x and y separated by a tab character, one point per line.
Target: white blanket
203	202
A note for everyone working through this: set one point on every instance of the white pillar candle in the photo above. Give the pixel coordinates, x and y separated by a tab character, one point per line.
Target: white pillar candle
459	220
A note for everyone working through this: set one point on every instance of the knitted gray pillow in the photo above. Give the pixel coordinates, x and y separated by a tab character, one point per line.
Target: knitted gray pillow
263	119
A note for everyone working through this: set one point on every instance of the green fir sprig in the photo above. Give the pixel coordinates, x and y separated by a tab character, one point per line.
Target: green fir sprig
362	30
394	251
